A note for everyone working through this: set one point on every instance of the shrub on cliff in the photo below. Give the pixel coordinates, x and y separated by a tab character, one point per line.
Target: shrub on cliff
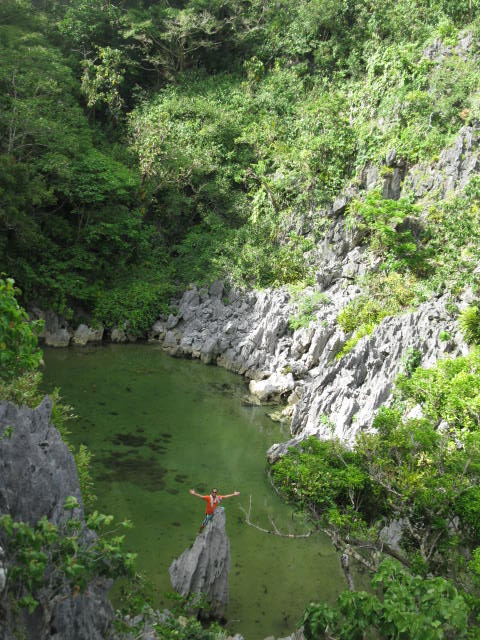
19	352
47	563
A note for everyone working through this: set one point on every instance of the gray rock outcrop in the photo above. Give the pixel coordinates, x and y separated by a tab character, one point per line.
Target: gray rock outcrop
37	474
58	332
342	396
37	470
84	334
250	332
273	387
454	168
204	568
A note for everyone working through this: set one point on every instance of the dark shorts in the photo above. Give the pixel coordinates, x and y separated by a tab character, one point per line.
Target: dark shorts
207	519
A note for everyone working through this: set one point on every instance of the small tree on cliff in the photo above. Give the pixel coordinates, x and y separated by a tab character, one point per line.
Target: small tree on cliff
19	350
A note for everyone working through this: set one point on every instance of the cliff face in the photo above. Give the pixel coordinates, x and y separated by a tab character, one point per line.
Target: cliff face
249	332
37	471
37	474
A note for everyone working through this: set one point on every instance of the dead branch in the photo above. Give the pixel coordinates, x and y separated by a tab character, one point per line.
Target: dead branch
345	562
275	531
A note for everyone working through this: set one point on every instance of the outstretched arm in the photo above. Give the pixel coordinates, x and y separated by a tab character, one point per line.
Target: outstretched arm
194	493
232	495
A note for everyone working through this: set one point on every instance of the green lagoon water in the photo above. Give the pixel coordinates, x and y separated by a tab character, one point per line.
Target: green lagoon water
158	426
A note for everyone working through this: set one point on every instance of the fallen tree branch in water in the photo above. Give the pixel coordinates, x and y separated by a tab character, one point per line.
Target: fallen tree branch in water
275	531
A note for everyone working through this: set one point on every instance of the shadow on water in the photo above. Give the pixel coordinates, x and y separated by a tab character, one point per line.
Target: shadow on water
129	440
130	466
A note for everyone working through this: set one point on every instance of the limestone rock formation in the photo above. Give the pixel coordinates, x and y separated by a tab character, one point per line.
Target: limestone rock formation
37	470
118	334
250	333
85	334
57	331
37	474
204	568
455	166
273	387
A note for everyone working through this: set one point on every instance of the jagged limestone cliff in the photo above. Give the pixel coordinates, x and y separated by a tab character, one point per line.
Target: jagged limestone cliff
37	474
249	332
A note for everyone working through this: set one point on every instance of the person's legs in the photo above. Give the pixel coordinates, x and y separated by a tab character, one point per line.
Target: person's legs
206	520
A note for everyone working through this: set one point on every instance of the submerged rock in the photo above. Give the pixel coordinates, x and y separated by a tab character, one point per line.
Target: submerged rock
204	568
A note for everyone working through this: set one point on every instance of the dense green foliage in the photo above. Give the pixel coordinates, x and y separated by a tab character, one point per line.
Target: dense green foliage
306	304
46	561
147	145
410	608
418	475
382	218
469	320
440	256
19	350
70	219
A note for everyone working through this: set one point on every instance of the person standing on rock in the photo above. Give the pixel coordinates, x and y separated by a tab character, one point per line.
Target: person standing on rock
213	500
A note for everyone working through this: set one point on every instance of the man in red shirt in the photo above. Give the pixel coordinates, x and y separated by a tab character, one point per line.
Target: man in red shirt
213	500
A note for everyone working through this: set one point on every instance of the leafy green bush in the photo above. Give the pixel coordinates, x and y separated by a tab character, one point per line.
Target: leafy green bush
405	471
325	477
454	240
411	361
19	352
469	320
306	307
382	220
449	391
83	459
386	295
45	561
134	305
360	332
410	607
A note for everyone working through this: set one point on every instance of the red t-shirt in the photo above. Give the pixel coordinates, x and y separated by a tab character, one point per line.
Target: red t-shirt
212	503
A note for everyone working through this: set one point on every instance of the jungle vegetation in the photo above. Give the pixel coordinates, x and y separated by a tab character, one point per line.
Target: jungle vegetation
146	145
